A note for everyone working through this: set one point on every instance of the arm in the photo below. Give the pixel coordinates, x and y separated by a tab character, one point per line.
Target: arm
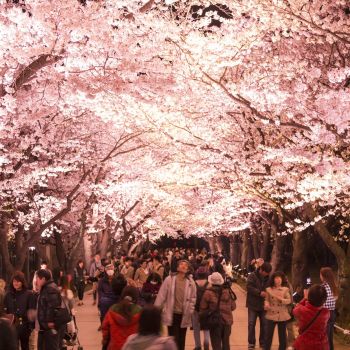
286	300
53	301
161	297
204	304
299	308
137	274
251	288
193	295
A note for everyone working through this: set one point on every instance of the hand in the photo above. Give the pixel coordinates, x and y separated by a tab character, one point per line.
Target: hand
51	325
263	294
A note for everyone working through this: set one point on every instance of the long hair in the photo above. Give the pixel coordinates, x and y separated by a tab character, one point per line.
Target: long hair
19	277
328	277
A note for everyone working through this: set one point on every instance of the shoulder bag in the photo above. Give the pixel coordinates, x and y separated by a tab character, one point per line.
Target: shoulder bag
209	319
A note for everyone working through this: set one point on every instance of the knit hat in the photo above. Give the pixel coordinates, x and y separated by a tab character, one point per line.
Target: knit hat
216	279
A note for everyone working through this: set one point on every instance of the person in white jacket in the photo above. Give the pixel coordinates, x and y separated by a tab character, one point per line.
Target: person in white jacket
177	298
148	337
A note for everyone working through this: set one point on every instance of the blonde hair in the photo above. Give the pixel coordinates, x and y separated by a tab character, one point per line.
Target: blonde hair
2	285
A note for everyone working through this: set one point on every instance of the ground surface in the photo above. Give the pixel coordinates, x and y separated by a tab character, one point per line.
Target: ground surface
90	338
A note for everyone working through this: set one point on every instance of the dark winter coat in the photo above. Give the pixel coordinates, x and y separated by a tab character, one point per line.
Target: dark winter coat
79	275
255	285
8	339
18	303
106	296
49	299
314	338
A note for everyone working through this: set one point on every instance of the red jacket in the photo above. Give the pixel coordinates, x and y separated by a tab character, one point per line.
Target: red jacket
116	328
314	338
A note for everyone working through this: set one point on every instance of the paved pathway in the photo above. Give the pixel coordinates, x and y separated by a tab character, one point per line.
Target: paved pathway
90	338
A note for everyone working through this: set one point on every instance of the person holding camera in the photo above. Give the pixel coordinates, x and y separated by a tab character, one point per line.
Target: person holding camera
256	285
312	320
219	297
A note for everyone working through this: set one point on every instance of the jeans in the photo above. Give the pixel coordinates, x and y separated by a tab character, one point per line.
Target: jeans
220	337
48	340
330	329
282	334
197	332
177	332
23	334
80	290
252	316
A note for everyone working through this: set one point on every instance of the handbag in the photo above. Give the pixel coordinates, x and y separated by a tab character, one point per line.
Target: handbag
210	319
62	315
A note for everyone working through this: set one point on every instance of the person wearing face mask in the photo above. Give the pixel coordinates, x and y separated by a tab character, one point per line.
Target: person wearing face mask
105	291
151	288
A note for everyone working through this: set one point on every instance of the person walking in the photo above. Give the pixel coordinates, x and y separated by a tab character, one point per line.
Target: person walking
277	312
80	275
256	294
219	297
48	301
158	267
128	270
96	269
177	297
313	320
106	293
141	274
121	320
18	301
201	284
149	334
329	282
151	288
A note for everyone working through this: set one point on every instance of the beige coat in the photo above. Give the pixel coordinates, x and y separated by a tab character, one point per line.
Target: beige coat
276	304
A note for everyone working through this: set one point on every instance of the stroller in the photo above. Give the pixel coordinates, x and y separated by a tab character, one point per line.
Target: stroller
70	339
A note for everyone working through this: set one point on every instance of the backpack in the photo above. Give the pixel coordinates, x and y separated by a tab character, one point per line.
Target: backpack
200	292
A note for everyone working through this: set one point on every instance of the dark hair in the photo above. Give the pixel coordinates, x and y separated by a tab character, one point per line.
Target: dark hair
128	258
154	277
80	261
317	295
266	267
44	262
129	297
118	284
329	278
19	277
158	258
278	274
43	274
150	320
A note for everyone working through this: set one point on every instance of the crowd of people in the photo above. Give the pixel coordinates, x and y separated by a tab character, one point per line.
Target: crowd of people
179	289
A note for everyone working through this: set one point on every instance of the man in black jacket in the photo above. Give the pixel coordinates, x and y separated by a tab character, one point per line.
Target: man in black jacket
49	300
256	285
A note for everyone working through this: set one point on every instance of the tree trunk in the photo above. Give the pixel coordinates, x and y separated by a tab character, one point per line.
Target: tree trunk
299	260
234	250
211	242
87	250
277	254
104	243
60	251
264	248
245	248
255	243
344	291
4	248
218	245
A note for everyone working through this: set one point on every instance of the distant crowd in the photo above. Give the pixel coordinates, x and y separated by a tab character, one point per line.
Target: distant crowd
179	289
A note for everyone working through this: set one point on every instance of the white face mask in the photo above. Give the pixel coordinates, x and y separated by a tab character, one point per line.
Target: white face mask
43	267
110	272
154	282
